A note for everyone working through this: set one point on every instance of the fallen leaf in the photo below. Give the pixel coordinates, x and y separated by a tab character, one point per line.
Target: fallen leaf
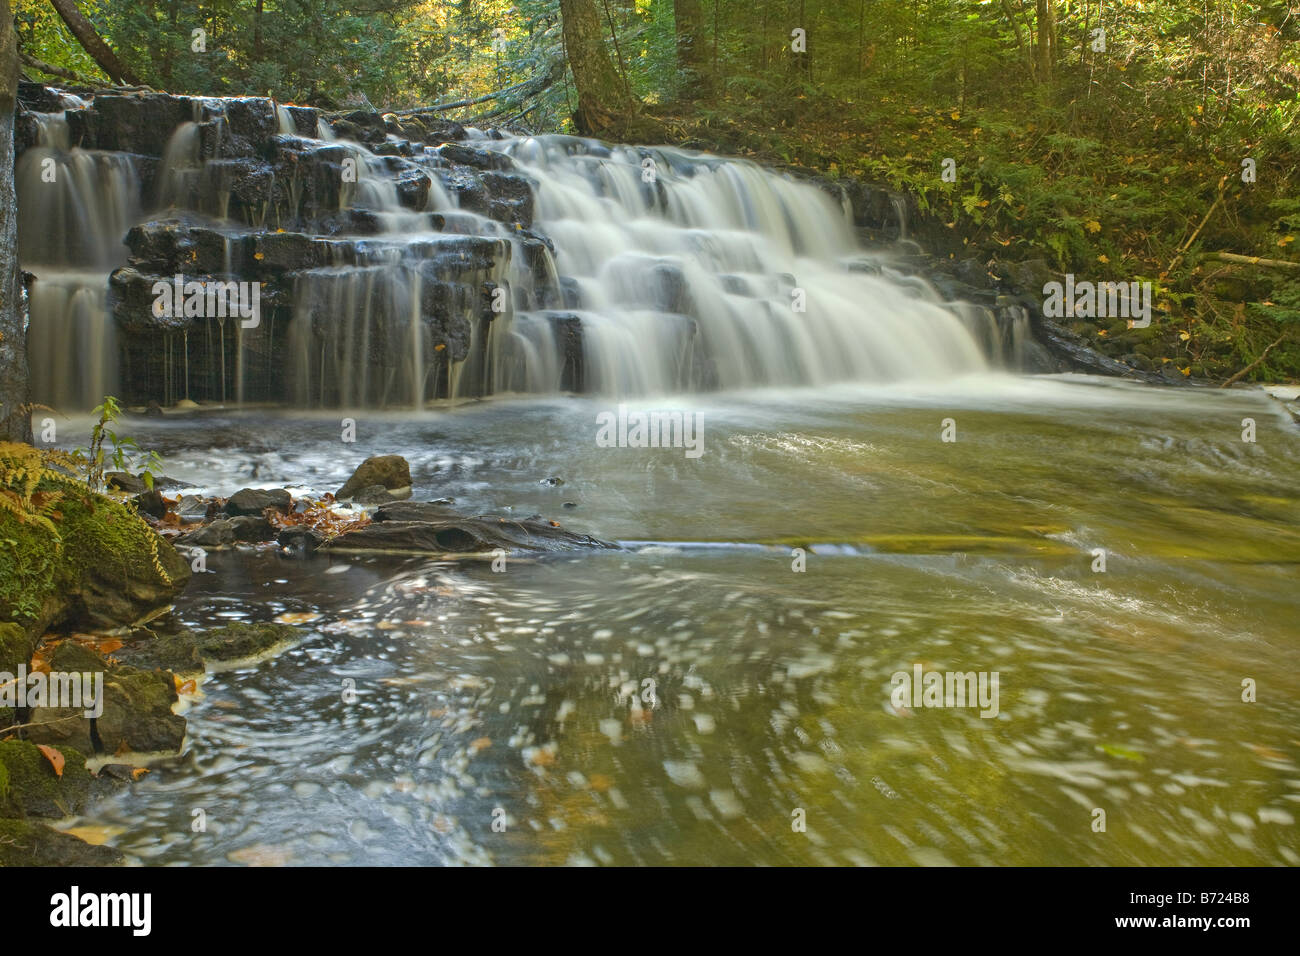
139	772
53	756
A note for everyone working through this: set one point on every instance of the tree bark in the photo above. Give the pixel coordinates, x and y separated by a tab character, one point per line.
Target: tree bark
90	41
1046	17
603	102
15	423
688	24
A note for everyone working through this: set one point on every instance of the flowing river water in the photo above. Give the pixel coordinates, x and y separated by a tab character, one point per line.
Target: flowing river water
514	697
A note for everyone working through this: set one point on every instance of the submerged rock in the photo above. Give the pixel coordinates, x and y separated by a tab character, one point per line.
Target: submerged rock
188	652
461	535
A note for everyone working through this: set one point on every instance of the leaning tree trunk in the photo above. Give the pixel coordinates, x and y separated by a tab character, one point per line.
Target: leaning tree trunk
603	101
15	423
90	41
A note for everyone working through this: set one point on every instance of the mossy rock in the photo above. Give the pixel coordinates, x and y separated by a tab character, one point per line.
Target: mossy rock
190	652
178	653
136	713
30	787
237	641
27	843
104	567
16	647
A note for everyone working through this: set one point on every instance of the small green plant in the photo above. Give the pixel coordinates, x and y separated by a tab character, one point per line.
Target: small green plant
107	447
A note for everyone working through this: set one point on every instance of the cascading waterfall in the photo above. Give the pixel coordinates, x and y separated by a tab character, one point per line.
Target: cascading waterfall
693	270
645	271
75	207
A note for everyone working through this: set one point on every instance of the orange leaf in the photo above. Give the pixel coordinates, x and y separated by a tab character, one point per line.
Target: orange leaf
53	756
139	772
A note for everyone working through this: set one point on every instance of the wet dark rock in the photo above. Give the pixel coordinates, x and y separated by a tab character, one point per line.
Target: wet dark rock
391	472
254	501
414	511
462	536
212	535
300	538
510	197
305	120
151	503
138	122
478	158
39	98
372	495
124	481
252	528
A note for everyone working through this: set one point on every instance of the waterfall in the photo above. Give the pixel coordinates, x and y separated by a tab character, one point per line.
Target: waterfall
642	271
74	208
696	270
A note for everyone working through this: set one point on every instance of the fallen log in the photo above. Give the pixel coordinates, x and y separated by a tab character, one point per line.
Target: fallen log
1254	261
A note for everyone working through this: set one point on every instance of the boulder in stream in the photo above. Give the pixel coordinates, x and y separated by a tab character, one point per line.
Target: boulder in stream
390	472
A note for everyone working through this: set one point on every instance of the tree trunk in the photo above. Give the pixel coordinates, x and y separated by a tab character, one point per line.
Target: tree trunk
1046	17
99	51
688	23
15	423
603	102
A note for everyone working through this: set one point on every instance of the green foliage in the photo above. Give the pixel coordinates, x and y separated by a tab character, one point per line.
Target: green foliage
107	447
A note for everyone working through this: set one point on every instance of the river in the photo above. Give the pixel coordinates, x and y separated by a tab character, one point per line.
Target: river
696	699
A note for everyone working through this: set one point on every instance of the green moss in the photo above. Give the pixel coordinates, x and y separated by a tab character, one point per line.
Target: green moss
32	788
15	647
101	534
25	843
95	535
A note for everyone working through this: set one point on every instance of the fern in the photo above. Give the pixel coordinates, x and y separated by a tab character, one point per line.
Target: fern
22	470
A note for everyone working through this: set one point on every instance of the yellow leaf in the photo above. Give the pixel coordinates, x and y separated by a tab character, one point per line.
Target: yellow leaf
1103	258
955	115
1184	335
1285	240
1092	225
258	256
